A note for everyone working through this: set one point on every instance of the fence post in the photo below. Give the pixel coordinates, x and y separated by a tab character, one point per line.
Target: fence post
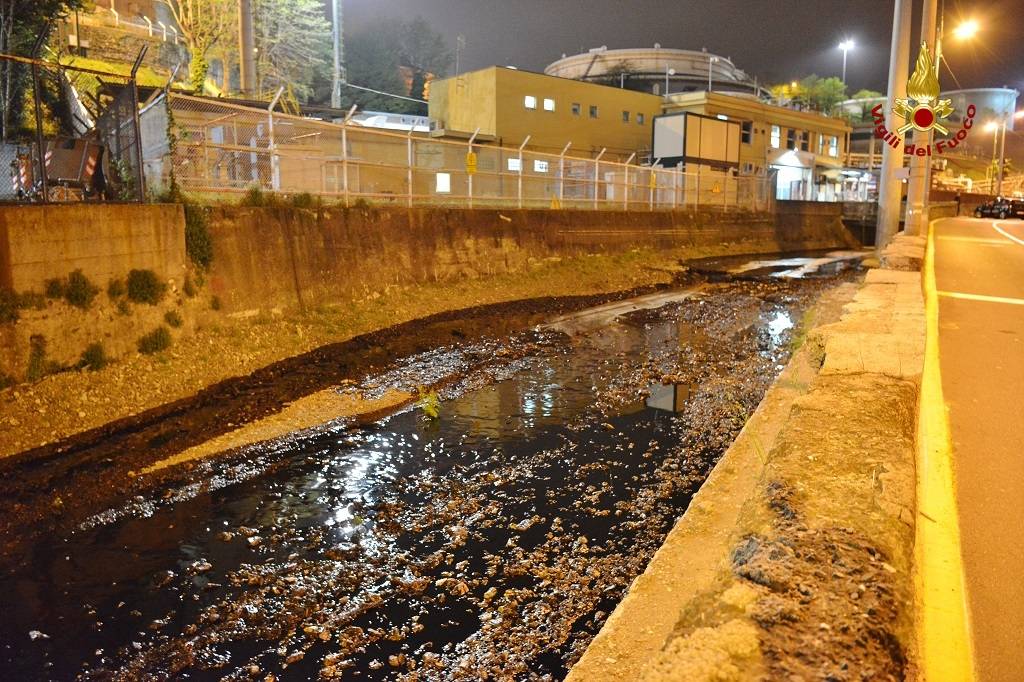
654	181
597	172
344	154
625	181
676	174
275	176
148	23
469	176
561	173
409	159
520	178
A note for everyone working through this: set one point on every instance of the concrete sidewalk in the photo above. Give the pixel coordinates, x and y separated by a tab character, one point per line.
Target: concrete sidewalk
795	559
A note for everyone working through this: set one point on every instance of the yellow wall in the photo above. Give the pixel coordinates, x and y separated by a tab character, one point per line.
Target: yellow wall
763	117
493	99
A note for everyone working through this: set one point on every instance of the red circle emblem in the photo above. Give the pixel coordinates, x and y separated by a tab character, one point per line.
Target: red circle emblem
923	118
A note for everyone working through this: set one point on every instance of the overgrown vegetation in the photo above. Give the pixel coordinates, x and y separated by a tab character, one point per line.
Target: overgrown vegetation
54	288
429	402
79	291
8	306
38	365
145	287
189	288
115	289
172	318
198	244
94	358
157	340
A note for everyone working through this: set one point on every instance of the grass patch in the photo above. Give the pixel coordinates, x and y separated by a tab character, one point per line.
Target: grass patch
94	358
173	319
157	340
38	365
145	287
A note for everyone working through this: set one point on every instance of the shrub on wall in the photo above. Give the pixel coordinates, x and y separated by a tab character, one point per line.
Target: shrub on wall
94	357
55	288
145	287
172	318
157	340
38	367
115	288
8	306
198	244
79	291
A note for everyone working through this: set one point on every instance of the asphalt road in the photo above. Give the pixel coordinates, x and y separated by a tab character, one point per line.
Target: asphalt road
979	269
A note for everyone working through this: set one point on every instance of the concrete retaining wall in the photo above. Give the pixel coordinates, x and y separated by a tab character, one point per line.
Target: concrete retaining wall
281	258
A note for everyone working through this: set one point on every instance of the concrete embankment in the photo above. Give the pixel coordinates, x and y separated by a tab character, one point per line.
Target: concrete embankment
285	281
795	560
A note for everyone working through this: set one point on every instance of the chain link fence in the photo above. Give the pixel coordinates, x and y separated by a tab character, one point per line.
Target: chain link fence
215	148
73	137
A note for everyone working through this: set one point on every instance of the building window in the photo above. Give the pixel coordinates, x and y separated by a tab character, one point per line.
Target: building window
805	141
540	166
639	119
625	117
833	146
549	104
776	137
747	132
444	183
515	164
821	144
530	102
593	111
576	108
791	139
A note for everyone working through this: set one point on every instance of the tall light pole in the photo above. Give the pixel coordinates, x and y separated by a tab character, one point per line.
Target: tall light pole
246	49
711	60
338	38
668	72
845	46
890	189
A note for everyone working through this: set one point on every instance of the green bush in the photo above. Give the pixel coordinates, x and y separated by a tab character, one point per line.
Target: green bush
188	287
115	288
55	288
145	287
8	306
198	244
254	196
157	340
93	358
172	318
79	291
303	200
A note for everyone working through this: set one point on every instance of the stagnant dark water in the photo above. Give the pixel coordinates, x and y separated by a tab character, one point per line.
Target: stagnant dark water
489	543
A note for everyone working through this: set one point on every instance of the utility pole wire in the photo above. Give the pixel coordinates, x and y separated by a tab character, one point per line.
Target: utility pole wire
386	94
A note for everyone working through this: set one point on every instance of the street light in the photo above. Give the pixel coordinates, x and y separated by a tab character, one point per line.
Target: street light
966	30
711	60
845	46
668	72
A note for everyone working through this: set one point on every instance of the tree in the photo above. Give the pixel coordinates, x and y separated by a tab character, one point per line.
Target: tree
820	94
202	24
293	41
423	50
20	22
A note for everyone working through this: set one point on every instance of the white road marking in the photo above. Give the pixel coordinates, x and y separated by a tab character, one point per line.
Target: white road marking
982	297
995	224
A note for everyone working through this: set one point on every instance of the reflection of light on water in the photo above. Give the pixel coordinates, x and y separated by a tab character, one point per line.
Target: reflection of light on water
779	325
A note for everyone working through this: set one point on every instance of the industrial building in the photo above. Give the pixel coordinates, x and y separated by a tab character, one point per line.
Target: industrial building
508	106
657	70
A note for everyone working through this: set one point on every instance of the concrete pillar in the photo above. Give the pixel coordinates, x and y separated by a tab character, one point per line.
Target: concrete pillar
889	186
918	185
246	49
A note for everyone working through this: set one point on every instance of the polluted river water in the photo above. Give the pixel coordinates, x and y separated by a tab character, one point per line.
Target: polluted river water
485	533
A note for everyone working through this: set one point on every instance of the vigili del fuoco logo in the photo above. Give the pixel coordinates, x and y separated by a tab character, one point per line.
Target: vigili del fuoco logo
922	110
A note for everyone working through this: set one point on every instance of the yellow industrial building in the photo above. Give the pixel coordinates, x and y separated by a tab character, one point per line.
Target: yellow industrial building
806	150
507	105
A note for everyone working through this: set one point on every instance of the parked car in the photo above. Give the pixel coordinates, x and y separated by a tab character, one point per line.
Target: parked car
1001	208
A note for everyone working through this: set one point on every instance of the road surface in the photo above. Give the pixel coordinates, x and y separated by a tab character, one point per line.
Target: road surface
979	268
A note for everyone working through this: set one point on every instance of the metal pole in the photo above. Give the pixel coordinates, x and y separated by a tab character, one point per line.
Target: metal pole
344	154
845	50
409	159
917	187
597	171
889	186
469	176
561	173
1002	159
653	184
625	182
246	48
335	35
140	178
275	175
520	179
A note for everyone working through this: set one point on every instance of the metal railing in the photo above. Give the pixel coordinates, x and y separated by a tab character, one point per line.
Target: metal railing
219	148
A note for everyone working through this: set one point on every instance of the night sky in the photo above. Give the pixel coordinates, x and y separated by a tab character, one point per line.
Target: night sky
774	40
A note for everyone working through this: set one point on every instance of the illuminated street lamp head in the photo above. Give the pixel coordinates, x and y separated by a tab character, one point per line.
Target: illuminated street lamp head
846	45
966	30
1018	114
991	126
